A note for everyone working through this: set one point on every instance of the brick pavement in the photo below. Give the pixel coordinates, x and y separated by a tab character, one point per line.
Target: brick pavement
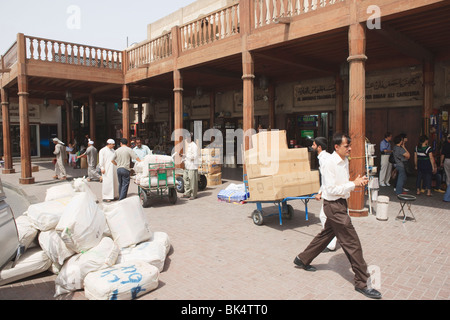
218	253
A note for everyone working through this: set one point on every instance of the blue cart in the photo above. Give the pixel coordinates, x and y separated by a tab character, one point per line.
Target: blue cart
285	210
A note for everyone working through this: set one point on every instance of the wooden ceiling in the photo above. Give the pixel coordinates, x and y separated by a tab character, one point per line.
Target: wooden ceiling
404	39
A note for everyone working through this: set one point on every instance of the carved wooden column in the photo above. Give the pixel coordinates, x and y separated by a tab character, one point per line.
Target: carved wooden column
357	115
212	108
22	82
68	106
178	113
339	103
126	112
248	76
139	124
428	89
7	155
271	106
92	117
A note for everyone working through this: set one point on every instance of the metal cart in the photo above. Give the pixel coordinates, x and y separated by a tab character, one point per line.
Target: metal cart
285	210
202	180
165	186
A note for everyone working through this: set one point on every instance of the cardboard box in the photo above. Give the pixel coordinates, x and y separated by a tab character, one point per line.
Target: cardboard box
278	187
268	140
210	168
259	164
214	179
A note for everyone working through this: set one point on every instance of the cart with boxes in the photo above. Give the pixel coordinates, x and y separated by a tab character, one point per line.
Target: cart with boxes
276	174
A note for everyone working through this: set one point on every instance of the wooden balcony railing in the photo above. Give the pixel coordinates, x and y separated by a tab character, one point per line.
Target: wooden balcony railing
269	11
9	58
150	51
73	54
215	26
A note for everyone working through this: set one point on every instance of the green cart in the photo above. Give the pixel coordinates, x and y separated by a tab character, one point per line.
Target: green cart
164	184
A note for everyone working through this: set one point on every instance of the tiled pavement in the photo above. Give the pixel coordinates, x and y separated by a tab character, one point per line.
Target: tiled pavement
218	253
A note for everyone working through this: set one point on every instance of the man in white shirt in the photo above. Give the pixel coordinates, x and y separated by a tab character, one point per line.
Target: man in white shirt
320	146
190	175
336	190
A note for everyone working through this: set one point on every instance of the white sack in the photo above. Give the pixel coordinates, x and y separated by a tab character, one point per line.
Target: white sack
27	232
123	281
82	223
127	222
45	215
32	262
163	238
81	185
144	182
151	252
60	191
72	274
54	247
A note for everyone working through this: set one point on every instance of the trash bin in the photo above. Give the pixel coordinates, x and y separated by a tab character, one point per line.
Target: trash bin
382	208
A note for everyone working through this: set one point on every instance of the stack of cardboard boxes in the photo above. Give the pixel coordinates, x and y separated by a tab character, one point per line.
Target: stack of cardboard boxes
211	166
275	172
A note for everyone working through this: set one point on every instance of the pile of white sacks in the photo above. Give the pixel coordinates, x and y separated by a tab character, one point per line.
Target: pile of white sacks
109	250
144	177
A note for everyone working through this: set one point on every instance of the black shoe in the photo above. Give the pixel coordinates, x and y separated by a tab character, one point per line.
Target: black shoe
300	264
370	293
328	250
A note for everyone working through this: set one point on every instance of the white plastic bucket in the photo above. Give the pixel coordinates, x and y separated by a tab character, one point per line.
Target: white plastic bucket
382	208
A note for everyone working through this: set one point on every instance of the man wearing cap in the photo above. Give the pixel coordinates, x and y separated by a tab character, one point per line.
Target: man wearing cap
109	172
60	153
320	146
122	158
91	155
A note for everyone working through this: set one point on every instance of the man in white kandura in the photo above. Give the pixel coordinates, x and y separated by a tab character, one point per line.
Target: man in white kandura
110	189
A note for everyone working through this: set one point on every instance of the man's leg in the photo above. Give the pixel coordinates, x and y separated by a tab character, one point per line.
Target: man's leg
119	179
187	183
125	183
193	177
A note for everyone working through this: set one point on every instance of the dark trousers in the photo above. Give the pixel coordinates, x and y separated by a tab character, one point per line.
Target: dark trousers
123	176
339	224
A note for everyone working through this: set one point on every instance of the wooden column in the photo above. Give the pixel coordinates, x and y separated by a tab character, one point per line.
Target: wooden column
22	82
7	155
212	108
126	112
92	117
271	106
339	114
428	89
68	106
139	125
248	76
357	116
178	112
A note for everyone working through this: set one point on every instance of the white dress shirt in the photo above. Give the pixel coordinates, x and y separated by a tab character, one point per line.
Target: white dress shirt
335	174
323	156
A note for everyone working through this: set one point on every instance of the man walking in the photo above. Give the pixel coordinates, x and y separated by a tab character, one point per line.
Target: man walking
91	155
335	192
320	146
122	158
60	153
386	166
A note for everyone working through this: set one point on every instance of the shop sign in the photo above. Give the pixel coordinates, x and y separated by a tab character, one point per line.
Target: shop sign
33	112
393	88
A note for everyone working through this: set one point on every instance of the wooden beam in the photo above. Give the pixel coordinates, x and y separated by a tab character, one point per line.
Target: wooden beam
404	44
301	63
7	155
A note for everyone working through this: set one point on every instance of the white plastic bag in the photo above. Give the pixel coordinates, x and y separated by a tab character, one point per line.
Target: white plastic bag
45	215
124	281
60	191
27	232
82	223
163	238
32	262
152	252
81	185
127	222
72	274
54	247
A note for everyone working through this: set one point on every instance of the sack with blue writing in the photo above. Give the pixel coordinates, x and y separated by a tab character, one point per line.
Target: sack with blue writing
123	281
